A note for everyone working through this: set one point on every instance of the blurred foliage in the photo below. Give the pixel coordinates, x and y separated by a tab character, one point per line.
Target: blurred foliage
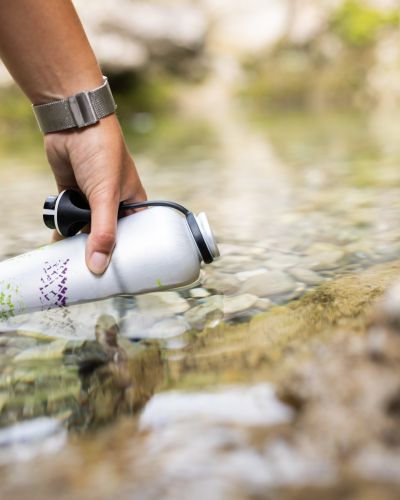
19	134
303	77
328	71
136	92
359	24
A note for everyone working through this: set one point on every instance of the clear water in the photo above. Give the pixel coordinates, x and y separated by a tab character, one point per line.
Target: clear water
294	200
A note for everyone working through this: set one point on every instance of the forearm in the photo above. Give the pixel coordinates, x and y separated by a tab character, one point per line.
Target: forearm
46	50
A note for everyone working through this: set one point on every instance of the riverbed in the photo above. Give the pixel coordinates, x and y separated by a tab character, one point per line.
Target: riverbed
196	396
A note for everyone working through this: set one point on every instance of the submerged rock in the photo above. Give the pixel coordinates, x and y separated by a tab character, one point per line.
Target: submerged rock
306	276
239	303
266	283
162	304
325	256
199	293
210	310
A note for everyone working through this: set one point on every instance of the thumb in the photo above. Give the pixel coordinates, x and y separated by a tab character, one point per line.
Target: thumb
101	241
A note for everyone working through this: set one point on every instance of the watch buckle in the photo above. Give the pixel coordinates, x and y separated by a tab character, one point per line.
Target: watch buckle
82	109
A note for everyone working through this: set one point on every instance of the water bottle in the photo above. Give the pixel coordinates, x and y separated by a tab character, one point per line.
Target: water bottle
158	248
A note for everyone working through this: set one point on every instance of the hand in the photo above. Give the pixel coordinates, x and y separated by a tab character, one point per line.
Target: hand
96	161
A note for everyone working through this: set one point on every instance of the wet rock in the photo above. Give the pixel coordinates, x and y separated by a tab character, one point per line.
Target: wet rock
232	249
210	310
267	283
162	304
135	324
282	261
325	255
52	350
169	327
199	293
222	282
263	304
250	405
306	276
239	303
244	275
25	440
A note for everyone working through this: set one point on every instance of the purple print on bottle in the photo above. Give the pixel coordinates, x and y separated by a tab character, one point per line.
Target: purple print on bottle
53	289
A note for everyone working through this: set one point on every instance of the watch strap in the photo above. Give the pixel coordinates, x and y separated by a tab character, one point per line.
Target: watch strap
80	110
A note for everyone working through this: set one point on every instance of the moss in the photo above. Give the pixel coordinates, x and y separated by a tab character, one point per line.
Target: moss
273	343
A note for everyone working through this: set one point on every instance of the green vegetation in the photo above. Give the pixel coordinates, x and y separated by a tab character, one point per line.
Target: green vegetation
359	24
329	71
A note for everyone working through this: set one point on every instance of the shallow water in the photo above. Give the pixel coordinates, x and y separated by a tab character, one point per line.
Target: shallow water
295	201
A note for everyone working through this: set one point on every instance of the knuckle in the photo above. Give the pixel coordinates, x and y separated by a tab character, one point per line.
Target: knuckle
103	240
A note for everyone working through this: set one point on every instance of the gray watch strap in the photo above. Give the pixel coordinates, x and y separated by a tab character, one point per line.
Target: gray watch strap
80	110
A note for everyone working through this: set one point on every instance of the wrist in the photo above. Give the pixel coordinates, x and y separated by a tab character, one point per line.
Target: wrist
79	110
61	86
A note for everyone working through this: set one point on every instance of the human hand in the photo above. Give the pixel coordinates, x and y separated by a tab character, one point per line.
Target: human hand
96	161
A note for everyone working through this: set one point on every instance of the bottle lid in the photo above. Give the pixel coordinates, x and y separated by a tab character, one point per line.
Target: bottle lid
207	234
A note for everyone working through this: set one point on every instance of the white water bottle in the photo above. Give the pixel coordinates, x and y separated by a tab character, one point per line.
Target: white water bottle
156	249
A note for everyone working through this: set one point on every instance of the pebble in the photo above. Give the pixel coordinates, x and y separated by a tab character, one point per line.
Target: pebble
282	261
210	309
169	327
52	350
199	293
326	256
263	304
306	276
268	283
244	275
239	303
222	282
160	304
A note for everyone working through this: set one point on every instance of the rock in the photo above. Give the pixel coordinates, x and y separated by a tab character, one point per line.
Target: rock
232	249
199	293
263	304
244	275
169	327
306	276
222	282
282	261
162	304
254	405
326	256
239	303
210	309
52	350
268	283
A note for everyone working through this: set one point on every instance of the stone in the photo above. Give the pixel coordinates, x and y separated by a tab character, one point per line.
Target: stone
161	304
269	283
244	275
326	256
169	327
306	276
239	303
263	304
222	282
199	293
211	309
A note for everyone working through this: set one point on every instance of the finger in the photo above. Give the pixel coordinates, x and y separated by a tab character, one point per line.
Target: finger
101	241
133	194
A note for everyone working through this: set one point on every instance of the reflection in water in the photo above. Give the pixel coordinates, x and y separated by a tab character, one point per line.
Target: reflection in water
122	385
83	382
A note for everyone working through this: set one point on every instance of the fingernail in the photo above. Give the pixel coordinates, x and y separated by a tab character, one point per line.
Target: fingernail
98	262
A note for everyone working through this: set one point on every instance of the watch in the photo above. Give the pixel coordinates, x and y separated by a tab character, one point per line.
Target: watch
79	110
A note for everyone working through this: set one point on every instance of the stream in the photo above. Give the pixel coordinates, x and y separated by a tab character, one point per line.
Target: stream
190	391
